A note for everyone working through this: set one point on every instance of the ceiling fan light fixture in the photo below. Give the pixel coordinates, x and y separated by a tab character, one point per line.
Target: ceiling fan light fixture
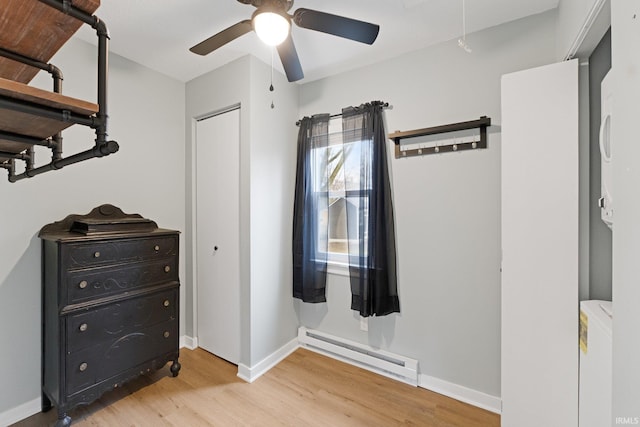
272	23
271	27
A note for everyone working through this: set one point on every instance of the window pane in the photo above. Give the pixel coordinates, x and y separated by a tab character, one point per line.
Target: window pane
358	232
338	211
357	165
337	176
319	161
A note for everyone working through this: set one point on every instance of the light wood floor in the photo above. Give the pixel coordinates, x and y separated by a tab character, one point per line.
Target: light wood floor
306	389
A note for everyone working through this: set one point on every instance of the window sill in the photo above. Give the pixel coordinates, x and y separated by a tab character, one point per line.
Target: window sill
338	268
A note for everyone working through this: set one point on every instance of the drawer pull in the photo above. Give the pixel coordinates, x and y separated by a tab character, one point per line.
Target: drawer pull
156	248
166	334
83	327
83	366
166	303
167	269
96	254
83	284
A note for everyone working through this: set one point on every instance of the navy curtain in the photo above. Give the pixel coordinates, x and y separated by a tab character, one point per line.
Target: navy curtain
310	224
372	247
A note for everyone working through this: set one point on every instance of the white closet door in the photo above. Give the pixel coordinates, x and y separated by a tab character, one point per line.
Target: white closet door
540	247
217	234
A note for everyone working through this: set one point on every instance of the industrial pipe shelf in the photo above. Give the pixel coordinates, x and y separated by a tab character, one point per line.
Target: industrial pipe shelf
32	32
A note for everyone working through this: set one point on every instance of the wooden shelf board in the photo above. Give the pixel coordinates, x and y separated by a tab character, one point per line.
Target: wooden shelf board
36	126
12	147
28	125
35	30
21	91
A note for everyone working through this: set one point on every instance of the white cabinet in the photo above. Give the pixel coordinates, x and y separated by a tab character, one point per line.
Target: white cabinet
539	355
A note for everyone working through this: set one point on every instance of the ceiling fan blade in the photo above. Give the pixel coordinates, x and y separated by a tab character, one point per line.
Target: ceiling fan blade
290	61
340	26
223	37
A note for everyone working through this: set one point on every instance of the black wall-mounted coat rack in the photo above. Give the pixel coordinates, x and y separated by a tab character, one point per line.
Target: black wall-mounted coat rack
482	123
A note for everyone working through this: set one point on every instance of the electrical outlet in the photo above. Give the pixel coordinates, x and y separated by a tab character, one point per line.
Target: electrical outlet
364	324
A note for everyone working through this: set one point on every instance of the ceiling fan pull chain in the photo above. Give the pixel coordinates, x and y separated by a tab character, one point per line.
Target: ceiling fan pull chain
271	86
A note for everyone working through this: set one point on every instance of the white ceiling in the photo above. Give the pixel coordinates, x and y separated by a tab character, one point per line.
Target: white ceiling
159	33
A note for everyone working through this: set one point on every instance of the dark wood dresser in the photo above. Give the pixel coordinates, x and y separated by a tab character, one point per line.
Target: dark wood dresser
110	305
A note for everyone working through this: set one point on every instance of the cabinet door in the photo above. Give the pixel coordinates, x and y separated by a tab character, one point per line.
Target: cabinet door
540	247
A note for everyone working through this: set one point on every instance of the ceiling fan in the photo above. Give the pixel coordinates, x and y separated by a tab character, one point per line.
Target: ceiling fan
272	23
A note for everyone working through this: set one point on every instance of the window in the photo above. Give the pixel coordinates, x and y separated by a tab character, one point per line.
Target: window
343	210
337	176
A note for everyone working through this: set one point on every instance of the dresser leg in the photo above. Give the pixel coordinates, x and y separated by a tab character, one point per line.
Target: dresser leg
46	403
63	420
175	368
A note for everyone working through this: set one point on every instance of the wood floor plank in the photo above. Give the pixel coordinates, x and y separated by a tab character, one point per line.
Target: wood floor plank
306	389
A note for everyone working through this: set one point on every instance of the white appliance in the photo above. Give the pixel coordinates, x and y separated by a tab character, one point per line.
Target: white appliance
606	199
595	399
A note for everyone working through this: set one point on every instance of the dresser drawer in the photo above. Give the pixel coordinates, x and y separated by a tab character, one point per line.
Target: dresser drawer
104	360
80	255
120	318
84	285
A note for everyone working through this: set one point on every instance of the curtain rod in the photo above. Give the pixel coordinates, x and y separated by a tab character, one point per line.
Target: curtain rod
333	116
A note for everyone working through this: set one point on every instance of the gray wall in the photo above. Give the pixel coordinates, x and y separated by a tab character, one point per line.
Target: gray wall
267	169
447	206
600	257
146	176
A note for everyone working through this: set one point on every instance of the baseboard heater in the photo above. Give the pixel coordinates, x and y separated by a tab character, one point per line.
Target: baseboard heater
379	361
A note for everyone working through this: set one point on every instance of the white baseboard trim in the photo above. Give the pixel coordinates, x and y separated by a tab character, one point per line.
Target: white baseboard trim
188	342
461	393
250	374
21	412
